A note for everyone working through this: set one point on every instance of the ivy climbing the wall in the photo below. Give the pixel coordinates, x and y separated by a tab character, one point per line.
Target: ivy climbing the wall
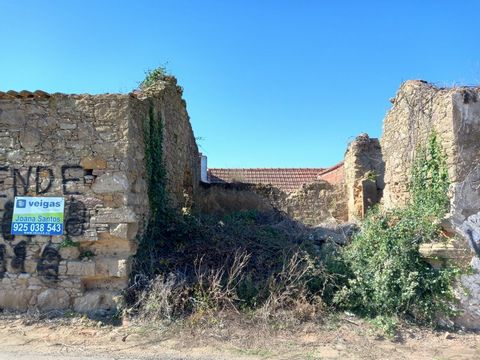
429	182
152	239
165	229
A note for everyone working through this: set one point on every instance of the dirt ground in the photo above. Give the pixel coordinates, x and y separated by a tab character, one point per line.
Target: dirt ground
23	337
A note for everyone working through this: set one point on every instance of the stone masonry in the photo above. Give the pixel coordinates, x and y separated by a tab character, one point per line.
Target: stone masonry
90	150
418	109
454	114
364	169
315	203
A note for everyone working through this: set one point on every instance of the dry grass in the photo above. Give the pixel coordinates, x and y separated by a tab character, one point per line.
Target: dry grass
214	294
288	290
216	289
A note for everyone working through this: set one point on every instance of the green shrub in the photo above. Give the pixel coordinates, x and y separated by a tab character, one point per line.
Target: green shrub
388	276
387	325
152	76
429	182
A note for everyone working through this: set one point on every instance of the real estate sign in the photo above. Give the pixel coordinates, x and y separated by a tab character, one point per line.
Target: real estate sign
38	216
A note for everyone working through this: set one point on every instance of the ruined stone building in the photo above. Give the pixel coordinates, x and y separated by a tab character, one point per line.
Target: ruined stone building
310	195
378	172
454	114
91	149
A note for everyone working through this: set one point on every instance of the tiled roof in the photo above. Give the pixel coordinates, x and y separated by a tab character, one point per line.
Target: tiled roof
286	179
39	94
24	94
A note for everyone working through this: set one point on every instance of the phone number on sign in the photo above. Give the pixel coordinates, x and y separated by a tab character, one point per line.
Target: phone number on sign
42	228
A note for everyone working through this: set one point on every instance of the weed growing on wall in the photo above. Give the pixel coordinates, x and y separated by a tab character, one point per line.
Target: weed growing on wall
152	76
68	242
429	182
388	276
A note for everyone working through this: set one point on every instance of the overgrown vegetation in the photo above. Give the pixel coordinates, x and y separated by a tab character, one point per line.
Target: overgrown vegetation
191	265
249	261
267	265
152	76
188	265
388	276
429	183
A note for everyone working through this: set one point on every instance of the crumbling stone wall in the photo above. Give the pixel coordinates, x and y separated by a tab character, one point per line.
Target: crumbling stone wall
418	109
180	151
454	114
223	199
364	169
315	203
90	150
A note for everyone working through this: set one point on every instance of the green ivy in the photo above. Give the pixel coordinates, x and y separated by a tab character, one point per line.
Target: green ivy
153	134
388	277
150	244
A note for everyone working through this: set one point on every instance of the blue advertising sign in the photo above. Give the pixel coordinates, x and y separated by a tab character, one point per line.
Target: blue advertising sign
38	216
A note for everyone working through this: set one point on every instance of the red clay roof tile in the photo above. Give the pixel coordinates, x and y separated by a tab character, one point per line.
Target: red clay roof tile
286	179
24	94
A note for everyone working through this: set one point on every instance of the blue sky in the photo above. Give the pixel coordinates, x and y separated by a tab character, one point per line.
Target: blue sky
268	83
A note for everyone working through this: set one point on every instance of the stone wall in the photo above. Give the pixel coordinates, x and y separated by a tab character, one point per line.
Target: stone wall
224	199
418	109
90	150
454	114
364	169
180	152
315	203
